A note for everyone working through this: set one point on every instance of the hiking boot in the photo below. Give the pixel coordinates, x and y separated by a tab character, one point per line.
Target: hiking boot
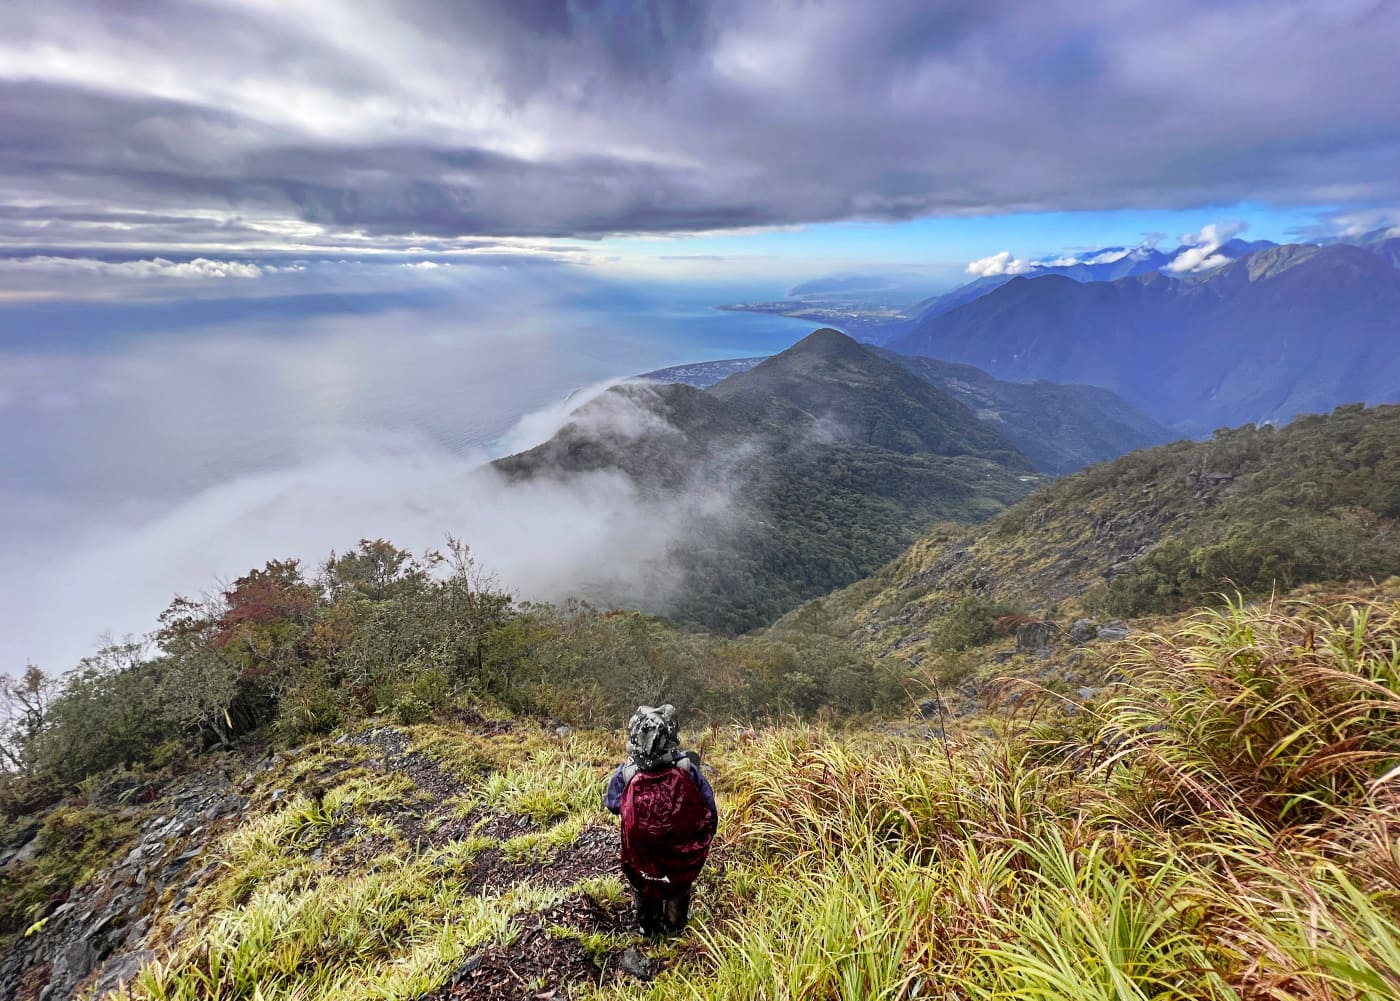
677	912
650	917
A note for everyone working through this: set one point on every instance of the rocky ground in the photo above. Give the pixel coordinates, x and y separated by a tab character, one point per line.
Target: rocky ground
97	934
138	907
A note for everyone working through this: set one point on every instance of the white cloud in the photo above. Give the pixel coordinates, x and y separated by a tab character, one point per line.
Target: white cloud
1201	253
155	267
538	427
1110	256
999	264
1006	263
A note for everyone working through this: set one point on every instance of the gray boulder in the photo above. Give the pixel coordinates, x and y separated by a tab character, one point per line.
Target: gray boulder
1036	637
1082	631
1115	629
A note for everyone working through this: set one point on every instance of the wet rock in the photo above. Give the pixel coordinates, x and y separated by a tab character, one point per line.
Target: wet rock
73	963
99	935
932	707
25	853
468	967
223	807
120	971
971	688
1082	631
137	932
1115	629
179	864
24	835
174	829
1036	637
115	790
635	964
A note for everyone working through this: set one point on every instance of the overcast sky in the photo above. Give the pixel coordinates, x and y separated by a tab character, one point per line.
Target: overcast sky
265	260
536	127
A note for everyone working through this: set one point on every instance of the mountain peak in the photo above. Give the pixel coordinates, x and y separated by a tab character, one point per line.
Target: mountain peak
839	390
826	342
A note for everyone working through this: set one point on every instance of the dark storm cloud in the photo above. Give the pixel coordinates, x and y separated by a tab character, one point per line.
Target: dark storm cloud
258	122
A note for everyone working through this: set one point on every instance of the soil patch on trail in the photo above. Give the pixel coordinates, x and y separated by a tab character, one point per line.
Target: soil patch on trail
541	965
396	757
421	821
585	913
473	721
594	853
536	967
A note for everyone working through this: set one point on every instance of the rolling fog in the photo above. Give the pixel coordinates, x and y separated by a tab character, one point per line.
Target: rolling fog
153	454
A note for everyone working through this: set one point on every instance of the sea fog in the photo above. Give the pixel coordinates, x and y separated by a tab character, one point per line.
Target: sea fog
151	449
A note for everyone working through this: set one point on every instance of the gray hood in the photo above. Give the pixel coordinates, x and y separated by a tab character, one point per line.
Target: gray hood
653	737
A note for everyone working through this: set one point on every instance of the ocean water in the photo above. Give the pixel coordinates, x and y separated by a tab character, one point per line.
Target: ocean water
154	446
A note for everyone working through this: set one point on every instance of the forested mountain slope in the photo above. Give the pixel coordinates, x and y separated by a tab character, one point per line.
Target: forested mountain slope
799	476
1254	508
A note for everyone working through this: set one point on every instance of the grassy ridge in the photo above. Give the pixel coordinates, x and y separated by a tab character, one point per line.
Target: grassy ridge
1155	532
1224	827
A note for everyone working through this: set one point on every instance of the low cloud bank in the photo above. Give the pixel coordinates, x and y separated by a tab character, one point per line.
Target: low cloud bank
1197	252
1004	263
155	267
545	538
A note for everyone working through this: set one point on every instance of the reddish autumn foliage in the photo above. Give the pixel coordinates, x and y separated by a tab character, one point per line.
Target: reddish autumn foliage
273	594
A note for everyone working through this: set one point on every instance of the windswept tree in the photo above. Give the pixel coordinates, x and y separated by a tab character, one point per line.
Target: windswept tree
24	705
229	658
470	609
373	619
268	612
201	683
109	714
375	569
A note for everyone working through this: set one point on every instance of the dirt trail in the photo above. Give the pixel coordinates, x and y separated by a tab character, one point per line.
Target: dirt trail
545	960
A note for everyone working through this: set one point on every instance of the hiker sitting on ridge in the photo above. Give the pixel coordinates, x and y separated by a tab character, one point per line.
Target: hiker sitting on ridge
668	818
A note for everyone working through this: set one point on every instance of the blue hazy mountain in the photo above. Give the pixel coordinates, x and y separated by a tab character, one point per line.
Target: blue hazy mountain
1284	330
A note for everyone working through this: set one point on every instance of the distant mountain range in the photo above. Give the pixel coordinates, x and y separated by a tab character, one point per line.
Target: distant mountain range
1198	337
828	460
1281	331
1106	265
